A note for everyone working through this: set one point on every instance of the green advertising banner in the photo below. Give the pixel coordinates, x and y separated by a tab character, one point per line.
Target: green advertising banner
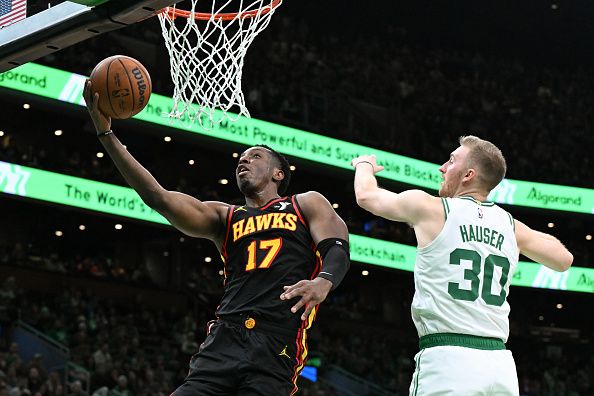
122	201
383	253
74	191
544	196
57	84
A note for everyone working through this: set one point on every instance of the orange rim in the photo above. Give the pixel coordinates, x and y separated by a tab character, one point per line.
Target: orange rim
173	13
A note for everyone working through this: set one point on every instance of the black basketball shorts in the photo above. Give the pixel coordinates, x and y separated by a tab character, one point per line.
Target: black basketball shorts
239	357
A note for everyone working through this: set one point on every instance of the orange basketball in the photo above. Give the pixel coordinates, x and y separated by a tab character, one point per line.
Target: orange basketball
123	84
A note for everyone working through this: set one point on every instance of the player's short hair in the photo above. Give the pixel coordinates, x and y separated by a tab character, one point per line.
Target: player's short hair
283	165
487	157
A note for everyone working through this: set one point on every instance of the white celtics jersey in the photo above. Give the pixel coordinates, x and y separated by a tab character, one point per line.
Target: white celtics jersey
462	277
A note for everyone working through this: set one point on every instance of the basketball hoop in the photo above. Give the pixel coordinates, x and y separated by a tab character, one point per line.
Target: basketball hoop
207	52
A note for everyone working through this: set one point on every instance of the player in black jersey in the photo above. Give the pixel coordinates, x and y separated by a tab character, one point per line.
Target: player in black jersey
282	257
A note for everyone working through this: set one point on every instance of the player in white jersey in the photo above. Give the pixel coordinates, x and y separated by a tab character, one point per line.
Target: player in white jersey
468	249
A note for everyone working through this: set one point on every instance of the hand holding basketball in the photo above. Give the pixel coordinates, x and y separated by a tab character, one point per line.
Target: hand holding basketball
119	87
123	84
102	122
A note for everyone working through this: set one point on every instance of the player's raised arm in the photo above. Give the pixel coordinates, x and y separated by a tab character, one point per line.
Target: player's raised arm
186	213
330	234
409	206
542	248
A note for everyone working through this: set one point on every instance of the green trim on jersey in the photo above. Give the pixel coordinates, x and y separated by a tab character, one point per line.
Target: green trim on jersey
418	370
511	220
486	203
446	207
462	340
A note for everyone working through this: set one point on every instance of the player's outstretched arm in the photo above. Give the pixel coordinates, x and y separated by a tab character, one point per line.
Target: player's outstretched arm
542	248
409	206
330	234
186	213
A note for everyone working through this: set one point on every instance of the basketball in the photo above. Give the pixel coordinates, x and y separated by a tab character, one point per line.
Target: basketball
123	84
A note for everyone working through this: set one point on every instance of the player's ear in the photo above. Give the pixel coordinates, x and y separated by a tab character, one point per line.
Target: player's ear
278	175
470	175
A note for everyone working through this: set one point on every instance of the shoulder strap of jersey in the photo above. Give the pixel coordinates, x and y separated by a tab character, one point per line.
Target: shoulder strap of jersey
511	219
299	212
446	207
228	227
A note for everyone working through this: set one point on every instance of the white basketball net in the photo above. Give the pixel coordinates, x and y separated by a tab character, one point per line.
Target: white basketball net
207	56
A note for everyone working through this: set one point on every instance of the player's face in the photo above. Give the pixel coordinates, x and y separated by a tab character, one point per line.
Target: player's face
254	170
453	171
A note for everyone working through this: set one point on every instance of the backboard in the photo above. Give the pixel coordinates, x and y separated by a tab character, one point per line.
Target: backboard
68	23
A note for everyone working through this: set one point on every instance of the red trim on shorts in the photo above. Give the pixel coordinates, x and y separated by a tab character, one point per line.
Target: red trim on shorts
301	340
209	325
216	312
299	357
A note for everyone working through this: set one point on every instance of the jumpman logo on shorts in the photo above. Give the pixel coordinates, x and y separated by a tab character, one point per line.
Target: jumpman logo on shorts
284	352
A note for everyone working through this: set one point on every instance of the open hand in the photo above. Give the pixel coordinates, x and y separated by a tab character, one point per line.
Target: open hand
312	293
370	160
102	122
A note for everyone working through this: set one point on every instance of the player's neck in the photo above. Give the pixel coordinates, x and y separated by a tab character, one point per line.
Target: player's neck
261	198
475	194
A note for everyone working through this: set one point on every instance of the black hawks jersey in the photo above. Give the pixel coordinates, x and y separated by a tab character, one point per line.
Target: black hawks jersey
265	249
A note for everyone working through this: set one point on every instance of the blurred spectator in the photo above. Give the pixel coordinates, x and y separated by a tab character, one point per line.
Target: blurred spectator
54	384
189	344
35	383
102	360
76	389
122	388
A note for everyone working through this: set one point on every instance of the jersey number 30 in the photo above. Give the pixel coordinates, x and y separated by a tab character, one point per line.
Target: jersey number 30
472	274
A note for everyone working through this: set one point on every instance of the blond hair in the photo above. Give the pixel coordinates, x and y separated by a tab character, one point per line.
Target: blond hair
487	158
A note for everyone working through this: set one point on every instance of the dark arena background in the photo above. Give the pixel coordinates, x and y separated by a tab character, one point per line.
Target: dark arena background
99	297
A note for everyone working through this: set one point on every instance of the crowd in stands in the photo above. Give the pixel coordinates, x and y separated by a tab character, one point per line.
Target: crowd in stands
422	98
566	374
138	349
89	265
129	349
432	96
